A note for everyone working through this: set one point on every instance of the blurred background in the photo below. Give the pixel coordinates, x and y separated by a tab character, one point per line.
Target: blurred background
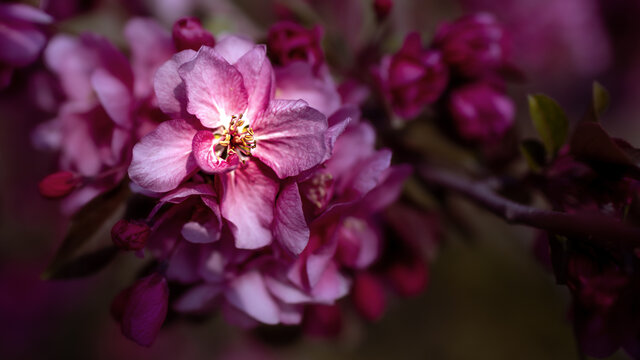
488	297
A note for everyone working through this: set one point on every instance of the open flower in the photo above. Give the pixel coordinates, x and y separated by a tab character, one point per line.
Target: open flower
227	123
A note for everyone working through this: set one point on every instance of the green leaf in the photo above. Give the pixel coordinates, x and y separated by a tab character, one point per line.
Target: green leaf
601	99
535	154
550	121
87	246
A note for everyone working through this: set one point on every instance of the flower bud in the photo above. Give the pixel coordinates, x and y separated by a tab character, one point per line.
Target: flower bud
188	33
481	113
130	235
413	77
408	277
142	308
382	9
473	45
369	297
289	42
59	184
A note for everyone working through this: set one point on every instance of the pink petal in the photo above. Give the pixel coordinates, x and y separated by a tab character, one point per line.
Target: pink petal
249	293
290	227
388	190
291	137
247	202
150	46
146	309
338	122
199	298
163	159
297	81
232	48
206	158
355	144
258	80
331	286
20	43
169	87
215	89
286	291
115	97
22	12
197	233
367	174
291	314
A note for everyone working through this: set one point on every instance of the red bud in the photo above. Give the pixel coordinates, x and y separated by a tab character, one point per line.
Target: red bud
382	8
58	184
188	33
369	297
130	235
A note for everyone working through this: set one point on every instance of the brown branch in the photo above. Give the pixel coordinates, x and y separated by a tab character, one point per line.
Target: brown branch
598	229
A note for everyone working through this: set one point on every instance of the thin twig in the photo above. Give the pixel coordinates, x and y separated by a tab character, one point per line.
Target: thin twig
599	229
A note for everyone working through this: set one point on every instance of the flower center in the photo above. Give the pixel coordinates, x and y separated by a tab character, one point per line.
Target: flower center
319	189
236	139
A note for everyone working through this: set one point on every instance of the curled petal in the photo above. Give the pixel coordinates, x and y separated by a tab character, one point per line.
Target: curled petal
204	143
290	226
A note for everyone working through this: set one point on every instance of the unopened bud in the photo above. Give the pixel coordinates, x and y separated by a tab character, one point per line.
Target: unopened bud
382	9
130	235
188	33
58	184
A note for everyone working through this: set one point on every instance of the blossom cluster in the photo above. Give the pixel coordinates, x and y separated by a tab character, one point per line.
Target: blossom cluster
266	187
266	178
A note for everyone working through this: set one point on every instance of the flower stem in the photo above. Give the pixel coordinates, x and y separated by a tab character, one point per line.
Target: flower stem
597	229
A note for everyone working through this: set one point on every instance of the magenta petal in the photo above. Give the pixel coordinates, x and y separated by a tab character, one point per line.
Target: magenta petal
247	202
203	151
115	97
232	48
258	79
215	89
249	293
169	87
163	159
146	309
289	226
291	137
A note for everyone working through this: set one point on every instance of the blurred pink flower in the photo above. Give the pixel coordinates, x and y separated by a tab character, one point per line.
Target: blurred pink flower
474	45
22	37
481	113
289	42
413	77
